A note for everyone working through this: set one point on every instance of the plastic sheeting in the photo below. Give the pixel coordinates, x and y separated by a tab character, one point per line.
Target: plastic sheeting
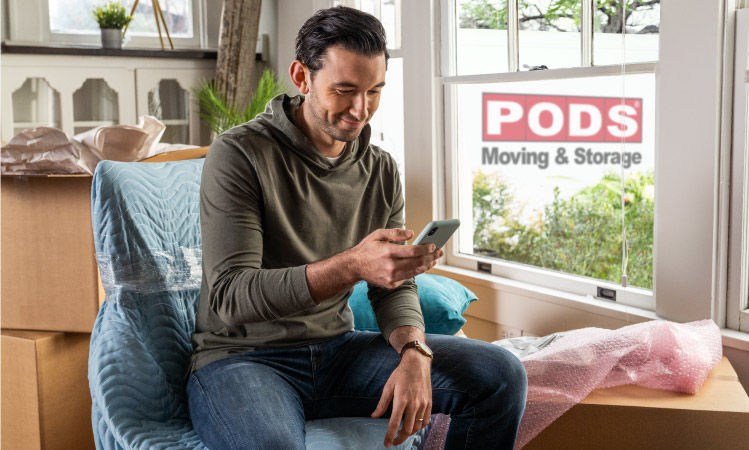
657	355
155	271
45	150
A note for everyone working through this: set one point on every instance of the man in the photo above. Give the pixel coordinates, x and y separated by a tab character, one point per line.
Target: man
296	207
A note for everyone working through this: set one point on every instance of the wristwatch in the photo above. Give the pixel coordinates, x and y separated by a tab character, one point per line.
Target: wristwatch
420	346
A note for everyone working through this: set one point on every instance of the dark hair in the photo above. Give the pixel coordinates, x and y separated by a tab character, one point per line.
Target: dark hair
354	30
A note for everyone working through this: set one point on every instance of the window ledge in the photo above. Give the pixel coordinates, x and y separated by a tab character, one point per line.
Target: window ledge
735	339
731	338
83	50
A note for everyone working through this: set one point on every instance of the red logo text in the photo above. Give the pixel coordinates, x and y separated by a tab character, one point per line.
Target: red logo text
561	118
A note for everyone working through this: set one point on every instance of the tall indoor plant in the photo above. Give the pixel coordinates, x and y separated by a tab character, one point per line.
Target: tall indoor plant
112	18
220	115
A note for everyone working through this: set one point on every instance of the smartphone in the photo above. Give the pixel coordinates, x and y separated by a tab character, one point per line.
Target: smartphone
437	232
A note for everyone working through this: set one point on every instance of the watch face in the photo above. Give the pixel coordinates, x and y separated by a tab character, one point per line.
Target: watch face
425	347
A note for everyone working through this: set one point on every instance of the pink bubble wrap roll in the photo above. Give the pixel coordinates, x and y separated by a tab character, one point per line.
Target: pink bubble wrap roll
657	355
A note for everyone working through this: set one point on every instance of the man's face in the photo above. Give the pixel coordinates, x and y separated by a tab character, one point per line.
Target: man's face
345	92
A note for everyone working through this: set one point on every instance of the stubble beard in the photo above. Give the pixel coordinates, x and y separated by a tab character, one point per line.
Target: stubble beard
330	128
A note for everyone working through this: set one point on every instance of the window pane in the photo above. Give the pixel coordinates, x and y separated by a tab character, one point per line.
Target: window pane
550	33
177	14
170	103
540	173
35	104
390	11
481	36
634	39
75	17
387	123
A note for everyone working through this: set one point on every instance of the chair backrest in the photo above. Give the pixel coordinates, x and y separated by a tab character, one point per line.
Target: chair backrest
146	222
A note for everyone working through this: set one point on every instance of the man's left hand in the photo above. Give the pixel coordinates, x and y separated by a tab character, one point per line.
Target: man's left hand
410	390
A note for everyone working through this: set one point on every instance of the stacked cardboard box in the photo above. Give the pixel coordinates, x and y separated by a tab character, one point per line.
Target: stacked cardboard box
46	400
631	417
50	288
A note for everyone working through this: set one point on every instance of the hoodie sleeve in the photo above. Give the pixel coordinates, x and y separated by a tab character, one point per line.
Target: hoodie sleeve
231	210
397	307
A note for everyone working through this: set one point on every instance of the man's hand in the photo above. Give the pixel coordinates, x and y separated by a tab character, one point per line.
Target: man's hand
388	265
410	389
375	260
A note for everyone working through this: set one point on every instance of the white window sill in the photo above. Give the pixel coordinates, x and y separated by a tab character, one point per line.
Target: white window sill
615	310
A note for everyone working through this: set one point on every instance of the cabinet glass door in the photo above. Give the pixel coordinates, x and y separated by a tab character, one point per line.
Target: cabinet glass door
95	104
169	103
35	104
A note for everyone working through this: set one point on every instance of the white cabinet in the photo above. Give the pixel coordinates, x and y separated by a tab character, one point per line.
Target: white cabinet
76	93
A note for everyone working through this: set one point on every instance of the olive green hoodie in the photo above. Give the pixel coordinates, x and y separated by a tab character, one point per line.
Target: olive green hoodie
271	203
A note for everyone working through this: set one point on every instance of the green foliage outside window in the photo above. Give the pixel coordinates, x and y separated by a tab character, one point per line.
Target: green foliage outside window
580	235
544	15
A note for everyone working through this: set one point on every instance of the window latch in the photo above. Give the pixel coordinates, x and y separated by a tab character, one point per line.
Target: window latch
606	294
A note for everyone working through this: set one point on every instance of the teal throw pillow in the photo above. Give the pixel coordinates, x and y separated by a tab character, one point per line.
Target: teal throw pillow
443	302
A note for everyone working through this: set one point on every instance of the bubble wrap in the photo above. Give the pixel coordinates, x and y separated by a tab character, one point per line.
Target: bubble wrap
657	355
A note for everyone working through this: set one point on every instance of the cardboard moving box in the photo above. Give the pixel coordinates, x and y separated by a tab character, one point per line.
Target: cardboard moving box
49	277
46	403
50	280
635	418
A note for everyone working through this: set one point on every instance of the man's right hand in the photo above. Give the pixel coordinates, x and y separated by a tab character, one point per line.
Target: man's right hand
378	261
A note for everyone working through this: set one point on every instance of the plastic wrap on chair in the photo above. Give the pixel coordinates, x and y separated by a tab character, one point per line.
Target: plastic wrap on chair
156	271
657	355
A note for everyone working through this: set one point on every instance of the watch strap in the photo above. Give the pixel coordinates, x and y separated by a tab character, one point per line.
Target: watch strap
417	346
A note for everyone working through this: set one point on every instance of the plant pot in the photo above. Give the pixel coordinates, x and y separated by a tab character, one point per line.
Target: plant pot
111	38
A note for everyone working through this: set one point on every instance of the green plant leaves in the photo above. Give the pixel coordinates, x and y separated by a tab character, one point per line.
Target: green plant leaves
111	16
220	116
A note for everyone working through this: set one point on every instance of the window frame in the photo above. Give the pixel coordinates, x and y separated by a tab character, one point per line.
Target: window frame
134	41
689	261
737	292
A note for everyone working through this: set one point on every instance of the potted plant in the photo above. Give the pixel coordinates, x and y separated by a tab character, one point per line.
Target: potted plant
112	18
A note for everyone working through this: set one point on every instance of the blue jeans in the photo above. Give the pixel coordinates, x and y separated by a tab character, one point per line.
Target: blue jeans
261	399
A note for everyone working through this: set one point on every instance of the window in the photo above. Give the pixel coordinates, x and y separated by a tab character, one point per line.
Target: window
494	36
553	168
67	17
72	22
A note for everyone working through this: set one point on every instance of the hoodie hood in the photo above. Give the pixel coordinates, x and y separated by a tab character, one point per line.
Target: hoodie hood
278	119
